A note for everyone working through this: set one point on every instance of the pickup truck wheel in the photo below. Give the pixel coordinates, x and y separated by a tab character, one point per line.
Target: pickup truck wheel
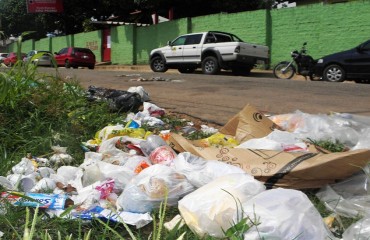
157	65
334	73
186	70
210	65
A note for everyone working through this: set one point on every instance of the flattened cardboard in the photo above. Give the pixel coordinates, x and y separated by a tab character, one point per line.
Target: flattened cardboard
282	169
276	168
247	124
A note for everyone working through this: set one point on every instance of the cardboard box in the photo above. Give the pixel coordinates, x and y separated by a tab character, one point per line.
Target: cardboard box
276	168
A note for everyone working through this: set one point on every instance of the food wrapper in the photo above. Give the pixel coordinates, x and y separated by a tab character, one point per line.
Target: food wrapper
50	201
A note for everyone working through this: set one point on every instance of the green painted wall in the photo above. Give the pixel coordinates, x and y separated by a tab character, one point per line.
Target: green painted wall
327	28
43	44
249	26
148	38
28	45
90	40
61	42
122	44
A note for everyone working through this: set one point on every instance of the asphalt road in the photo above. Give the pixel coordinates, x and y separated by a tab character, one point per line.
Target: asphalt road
217	98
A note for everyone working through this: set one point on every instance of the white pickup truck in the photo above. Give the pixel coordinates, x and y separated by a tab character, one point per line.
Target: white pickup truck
212	51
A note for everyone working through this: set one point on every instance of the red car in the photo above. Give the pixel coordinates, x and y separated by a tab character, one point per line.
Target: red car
11	59
75	57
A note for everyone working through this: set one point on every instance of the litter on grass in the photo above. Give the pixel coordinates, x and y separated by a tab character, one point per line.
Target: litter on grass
209	179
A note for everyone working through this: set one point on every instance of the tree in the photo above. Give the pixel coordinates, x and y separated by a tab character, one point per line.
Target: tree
77	15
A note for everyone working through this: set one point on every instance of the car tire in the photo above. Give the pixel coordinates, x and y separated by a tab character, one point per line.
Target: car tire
210	65
334	73
157	64
91	67
67	64
186	70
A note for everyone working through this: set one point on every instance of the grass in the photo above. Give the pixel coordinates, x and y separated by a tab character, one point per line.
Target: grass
38	112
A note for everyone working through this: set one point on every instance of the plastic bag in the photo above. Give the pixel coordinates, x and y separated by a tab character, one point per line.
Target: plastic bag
140	90
349	197
152	110
120	101
25	167
60	157
364	140
218	139
110	151
210	209
284	214
120	174
149	188
359	230
137	164
320	127
199	171
277	140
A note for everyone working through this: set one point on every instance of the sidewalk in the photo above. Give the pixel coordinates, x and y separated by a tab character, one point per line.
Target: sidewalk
121	67
145	68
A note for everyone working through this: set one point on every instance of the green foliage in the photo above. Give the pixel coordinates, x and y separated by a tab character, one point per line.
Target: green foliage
329	145
39	111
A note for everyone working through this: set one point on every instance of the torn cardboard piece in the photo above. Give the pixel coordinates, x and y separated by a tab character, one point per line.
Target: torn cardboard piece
294	170
247	124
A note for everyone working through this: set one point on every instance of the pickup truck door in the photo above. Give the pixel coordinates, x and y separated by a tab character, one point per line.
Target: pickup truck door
173	52
192	48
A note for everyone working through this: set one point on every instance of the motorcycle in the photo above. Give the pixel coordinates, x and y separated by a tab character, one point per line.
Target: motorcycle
301	64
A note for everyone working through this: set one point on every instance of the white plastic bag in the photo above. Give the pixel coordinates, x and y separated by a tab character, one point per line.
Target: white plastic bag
364	140
60	157
284	214
320	127
140	90
349	197
24	167
200	171
277	140
359	230
211	209
148	189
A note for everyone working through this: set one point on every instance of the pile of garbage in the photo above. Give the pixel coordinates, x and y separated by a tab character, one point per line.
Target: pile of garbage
215	182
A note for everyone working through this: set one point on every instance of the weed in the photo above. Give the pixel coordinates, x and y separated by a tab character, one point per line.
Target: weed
329	145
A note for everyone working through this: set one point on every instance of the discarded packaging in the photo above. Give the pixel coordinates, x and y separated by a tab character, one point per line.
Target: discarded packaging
41	200
297	170
210	209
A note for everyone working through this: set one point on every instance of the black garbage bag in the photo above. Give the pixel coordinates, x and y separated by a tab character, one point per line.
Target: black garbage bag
119	100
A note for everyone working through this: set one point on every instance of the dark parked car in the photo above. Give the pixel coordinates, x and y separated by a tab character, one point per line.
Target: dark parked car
353	64
12	58
75	57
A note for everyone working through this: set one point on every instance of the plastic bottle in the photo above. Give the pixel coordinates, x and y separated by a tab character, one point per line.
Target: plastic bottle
157	150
